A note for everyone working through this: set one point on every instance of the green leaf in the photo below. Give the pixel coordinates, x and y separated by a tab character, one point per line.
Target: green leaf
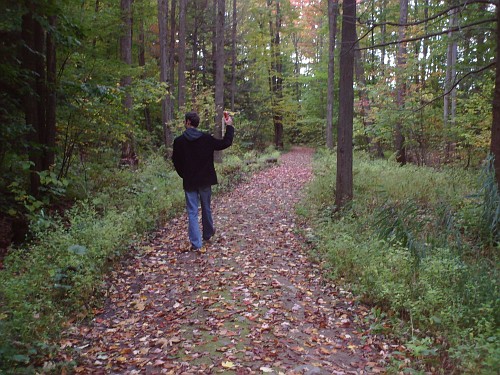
77	249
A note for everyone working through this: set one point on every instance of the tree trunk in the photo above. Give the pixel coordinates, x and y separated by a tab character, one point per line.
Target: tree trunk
374	147
128	156
495	126
182	55
219	71
171	55
401	84
194	58
344	181
29	56
233	56
332	27
164	74
450	94
276	79
142	62
50	105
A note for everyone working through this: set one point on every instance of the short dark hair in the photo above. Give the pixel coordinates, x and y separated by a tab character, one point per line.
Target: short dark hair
193	118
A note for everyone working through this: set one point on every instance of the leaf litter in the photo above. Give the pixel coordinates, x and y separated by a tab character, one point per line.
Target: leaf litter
253	303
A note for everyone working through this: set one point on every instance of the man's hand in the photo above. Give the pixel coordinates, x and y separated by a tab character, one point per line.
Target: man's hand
228	119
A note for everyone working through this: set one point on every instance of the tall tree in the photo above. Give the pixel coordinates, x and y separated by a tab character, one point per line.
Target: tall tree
128	156
276	72
166	103
450	90
344	180
233	55
219	70
182	54
495	126
401	83
38	59
332	34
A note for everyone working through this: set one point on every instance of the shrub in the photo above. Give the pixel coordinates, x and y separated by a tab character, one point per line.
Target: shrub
409	243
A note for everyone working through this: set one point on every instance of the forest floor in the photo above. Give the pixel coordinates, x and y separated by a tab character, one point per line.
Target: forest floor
255	302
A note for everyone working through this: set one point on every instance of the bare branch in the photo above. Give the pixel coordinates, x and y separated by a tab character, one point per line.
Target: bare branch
437	15
457	28
455	84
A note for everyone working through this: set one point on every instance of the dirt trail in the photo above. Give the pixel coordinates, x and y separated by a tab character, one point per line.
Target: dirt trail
253	303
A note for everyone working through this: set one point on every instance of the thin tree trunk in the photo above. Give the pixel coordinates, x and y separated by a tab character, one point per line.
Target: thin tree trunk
344	180
50	122
276	79
332	27
128	156
164	74
401	84
495	126
182	55
142	62
194	58
233	56
171	55
29	56
375	148
449	107
219	71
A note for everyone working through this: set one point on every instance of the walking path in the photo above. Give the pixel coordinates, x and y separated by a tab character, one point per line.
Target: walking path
253	303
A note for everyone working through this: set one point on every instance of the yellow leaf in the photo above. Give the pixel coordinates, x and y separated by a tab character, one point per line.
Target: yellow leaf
228	364
121	359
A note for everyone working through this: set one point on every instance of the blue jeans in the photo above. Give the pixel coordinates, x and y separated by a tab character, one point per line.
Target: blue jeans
193	199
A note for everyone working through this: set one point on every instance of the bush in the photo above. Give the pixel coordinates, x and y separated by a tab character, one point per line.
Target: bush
410	243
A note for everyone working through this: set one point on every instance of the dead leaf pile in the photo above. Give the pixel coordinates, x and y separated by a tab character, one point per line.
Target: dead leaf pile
253	303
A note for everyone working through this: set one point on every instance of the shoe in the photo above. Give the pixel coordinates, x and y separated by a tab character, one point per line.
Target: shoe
201	250
207	239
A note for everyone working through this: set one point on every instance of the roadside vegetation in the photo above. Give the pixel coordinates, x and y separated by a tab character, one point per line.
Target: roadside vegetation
421	245
55	278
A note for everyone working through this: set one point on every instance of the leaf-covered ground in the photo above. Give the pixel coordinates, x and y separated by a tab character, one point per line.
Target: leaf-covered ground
253	303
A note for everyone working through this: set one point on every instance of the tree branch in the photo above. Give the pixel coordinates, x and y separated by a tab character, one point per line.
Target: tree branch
457	28
437	15
455	84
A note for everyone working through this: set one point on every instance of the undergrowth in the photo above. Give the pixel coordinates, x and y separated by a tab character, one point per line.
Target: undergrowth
423	245
57	277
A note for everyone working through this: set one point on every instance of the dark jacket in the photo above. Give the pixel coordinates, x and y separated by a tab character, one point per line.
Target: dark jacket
193	157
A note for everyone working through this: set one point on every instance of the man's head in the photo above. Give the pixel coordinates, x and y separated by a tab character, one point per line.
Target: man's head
192	119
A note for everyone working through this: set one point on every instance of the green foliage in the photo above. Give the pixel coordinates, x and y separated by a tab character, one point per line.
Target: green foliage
414	243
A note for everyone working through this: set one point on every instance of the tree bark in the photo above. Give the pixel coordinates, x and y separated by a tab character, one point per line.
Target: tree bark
182	55
495	126
142	62
374	147
128	156
276	74
332	35
344	180
233	56
29	56
450	96
50	105
164	74
171	55
219	71
401	84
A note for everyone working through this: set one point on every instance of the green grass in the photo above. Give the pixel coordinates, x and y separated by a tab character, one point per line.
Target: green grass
418	242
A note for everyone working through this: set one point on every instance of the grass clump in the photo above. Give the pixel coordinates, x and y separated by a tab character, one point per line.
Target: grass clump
421	244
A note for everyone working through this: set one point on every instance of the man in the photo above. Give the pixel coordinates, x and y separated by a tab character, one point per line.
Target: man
193	158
